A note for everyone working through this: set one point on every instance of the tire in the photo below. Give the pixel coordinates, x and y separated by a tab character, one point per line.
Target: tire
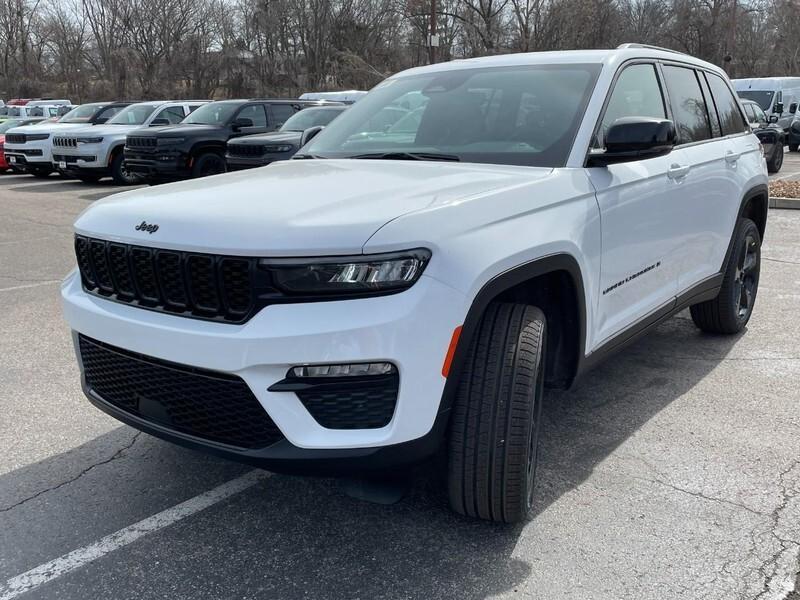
776	161
494	429
793	147
88	178
730	311
121	175
208	164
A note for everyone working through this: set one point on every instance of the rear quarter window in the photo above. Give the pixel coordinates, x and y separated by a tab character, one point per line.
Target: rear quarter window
730	117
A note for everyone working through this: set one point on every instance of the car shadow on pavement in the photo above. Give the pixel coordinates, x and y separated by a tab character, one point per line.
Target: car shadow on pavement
291	537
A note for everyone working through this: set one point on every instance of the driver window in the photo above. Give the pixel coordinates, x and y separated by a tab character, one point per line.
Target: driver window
173	114
254	112
637	93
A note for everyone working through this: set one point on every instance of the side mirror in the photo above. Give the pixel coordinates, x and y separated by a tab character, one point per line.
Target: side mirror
635	138
241	123
773	118
159	121
310	134
778	108
793	107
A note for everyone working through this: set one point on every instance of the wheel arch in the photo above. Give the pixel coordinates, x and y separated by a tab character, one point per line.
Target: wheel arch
554	283
754	206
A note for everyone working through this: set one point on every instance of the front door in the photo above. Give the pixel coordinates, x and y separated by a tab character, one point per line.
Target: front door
638	213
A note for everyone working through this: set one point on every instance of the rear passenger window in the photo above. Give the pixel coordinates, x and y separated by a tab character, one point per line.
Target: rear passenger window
636	94
688	106
730	117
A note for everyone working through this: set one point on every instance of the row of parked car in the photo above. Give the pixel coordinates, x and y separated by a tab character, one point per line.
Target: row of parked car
150	142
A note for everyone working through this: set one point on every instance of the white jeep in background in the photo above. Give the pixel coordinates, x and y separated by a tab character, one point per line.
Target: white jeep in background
96	152
386	294
28	148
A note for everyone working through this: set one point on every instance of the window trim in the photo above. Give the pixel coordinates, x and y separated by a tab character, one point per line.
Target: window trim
659	63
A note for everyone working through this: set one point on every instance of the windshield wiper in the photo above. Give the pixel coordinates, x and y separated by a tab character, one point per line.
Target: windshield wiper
408	156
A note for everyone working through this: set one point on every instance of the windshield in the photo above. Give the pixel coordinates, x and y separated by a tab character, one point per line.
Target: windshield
80	114
311	117
215	113
135	114
763	99
522	115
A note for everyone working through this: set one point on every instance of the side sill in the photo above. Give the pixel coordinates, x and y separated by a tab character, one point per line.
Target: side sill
705	290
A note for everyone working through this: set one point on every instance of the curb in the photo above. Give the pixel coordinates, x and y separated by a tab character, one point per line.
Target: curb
780	202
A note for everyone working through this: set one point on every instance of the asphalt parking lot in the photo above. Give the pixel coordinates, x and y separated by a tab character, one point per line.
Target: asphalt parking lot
673	471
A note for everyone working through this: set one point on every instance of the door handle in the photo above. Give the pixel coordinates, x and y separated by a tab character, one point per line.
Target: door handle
677	171
731	157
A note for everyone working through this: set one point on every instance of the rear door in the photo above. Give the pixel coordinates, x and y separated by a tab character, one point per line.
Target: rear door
720	165
639	212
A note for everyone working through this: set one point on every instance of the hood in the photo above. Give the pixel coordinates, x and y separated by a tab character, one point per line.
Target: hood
104	130
292	208
287	137
177	130
49	127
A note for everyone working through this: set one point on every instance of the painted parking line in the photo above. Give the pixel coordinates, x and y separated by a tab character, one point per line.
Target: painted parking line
76	559
30	285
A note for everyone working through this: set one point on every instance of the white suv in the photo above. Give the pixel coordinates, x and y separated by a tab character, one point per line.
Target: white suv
396	290
96	152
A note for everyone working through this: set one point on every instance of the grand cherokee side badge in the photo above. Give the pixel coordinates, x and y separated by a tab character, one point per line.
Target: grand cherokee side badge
148	227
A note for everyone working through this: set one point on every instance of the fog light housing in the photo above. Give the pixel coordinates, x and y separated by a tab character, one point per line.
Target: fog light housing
345	370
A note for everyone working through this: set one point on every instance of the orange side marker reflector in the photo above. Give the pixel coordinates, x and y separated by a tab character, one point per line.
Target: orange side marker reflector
451	350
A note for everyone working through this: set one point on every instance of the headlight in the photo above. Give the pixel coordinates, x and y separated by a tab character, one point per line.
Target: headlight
280	148
170	141
89	140
348	275
32	137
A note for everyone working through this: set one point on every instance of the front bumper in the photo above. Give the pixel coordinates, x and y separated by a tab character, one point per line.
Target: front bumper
158	165
33	154
411	329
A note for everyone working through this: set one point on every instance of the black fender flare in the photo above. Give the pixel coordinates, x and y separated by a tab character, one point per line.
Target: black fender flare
492	289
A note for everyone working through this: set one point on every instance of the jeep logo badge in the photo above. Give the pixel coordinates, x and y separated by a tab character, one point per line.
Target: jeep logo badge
148	227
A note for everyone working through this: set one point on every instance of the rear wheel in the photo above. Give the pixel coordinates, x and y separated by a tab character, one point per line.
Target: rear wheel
730	311
41	172
494	431
88	177
121	175
207	164
776	161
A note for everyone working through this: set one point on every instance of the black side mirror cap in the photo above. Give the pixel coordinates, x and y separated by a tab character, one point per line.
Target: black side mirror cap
793	107
635	138
309	134
242	122
778	108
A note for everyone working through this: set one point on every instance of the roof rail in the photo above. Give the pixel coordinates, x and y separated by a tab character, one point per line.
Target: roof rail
649	47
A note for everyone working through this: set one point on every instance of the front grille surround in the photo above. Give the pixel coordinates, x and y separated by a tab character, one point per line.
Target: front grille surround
209	405
203	286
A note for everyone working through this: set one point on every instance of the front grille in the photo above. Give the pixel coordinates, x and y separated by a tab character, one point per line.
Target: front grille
245	150
204	286
363	403
141	142
206	404
65	142
16	138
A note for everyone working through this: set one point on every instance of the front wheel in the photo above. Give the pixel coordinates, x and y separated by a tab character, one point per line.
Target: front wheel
776	161
208	164
730	311
494	431
120	174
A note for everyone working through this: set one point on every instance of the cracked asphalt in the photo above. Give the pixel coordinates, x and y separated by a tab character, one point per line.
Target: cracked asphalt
673	471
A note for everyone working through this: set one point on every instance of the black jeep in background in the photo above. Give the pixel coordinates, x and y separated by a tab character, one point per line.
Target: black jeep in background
262	149
196	146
